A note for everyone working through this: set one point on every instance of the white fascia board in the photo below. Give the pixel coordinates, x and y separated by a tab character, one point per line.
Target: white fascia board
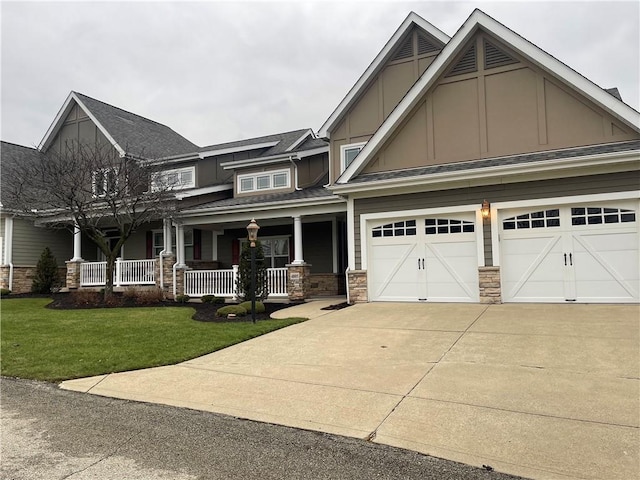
300	140
313	151
252	162
204	190
377	64
242	148
479	19
487	173
171	160
59	120
281	209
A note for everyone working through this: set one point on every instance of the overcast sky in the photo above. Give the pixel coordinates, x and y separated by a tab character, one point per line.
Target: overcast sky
218	71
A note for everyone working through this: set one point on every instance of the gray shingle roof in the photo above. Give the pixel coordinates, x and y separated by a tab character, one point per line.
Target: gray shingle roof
494	162
11	154
319	193
135	134
285	140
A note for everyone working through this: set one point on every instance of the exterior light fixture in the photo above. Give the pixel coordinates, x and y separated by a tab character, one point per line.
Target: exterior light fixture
486	210
252	236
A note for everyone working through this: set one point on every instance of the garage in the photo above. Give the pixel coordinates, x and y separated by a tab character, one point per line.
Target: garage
427	258
577	252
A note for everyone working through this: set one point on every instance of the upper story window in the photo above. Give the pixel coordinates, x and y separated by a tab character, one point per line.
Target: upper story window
176	179
348	153
104	181
254	182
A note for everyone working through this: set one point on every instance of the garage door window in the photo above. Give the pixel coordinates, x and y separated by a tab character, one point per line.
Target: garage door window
541	219
434	226
597	215
396	229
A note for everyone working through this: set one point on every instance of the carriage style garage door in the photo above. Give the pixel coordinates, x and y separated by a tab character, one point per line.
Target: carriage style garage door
581	252
429	258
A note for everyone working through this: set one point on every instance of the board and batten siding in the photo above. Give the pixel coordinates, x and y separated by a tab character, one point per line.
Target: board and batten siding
29	241
560	187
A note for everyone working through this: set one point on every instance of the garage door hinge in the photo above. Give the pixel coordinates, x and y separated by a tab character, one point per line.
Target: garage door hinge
422	299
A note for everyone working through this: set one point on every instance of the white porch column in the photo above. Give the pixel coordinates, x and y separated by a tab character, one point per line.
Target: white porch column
8	241
334	244
298	258
180	245
77	244
166	232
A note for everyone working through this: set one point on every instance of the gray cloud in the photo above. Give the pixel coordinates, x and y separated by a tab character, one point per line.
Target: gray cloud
217	72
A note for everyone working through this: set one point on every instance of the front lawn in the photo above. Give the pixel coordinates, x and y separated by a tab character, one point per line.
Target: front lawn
54	345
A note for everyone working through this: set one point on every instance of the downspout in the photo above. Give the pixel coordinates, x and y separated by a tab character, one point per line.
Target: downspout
161	255
295	173
8	248
346	274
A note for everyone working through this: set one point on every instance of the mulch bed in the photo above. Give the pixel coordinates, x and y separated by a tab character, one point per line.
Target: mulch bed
205	312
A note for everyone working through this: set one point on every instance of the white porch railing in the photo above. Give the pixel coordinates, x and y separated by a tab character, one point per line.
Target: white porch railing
126	272
222	283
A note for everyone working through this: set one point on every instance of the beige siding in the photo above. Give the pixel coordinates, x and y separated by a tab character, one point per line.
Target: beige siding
313	170
29	241
615	182
504	110
382	95
78	127
3	240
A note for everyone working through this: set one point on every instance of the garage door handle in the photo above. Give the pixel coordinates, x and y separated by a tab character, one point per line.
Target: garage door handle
422	264
565	259
570	259
418	264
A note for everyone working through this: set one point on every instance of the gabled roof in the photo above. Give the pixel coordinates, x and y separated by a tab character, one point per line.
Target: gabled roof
479	20
128	133
11	154
377	64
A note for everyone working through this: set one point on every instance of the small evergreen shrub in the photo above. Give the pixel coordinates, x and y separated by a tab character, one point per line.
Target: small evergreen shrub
243	283
212	299
46	277
183	298
4	292
231	309
247	306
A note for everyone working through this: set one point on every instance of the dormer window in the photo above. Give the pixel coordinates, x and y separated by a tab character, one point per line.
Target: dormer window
254	182
176	179
348	153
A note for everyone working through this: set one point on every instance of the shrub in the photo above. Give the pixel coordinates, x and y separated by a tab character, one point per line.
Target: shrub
183	298
4	292
85	297
46	277
150	296
231	309
243	283
212	299
130	293
247	306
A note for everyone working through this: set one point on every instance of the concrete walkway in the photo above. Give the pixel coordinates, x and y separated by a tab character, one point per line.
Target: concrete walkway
542	391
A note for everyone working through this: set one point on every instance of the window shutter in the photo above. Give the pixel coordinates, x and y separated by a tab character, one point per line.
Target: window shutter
235	251
149	244
197	244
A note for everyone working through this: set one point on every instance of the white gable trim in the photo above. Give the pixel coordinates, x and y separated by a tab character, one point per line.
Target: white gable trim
242	148
542	59
299	140
376	65
59	120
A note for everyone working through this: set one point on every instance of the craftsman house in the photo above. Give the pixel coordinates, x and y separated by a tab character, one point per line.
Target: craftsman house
476	168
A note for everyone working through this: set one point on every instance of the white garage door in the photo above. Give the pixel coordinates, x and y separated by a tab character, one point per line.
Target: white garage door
431	259
581	253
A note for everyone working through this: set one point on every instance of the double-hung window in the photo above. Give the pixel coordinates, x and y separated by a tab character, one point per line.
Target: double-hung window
104	182
256	182
275	249
348	154
158	242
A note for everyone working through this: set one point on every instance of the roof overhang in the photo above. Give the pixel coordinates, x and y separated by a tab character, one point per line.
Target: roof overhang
258	161
479	20
508	173
203	191
299	141
240	148
376	65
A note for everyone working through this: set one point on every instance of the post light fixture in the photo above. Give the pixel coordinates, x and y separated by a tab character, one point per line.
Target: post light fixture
252	236
486	209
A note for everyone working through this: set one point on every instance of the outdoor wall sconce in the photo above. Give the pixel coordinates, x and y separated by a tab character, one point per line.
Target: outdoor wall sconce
252	231
486	210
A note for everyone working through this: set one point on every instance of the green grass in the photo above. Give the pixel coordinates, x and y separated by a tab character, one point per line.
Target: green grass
54	345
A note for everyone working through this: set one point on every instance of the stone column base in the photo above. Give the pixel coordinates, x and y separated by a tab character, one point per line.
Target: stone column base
73	275
357	286
298	281
489	283
166	263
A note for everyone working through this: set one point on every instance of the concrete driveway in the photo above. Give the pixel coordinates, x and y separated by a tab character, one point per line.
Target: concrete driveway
542	391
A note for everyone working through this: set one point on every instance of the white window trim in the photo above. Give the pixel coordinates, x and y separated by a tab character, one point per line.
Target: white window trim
275	237
270	173
343	150
105	181
173	240
178	171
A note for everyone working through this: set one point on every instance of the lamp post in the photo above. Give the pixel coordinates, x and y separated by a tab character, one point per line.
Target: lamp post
252	235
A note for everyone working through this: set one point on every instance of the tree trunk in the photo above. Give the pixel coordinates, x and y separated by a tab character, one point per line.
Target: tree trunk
108	284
